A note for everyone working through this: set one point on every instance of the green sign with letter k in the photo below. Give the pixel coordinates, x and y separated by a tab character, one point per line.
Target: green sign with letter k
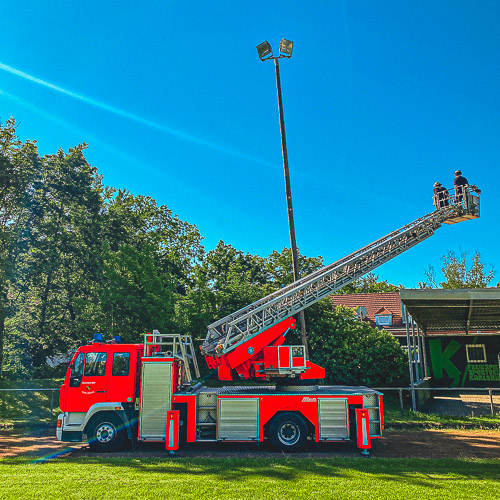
441	360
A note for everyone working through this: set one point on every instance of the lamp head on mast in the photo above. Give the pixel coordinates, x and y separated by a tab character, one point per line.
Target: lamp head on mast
265	50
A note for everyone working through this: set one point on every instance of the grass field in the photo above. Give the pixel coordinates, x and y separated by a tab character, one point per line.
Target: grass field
101	478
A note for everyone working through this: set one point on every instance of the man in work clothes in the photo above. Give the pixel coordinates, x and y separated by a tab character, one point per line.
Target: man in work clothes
460	182
440	196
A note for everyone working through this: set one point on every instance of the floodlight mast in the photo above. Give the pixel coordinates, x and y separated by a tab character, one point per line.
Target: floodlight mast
265	52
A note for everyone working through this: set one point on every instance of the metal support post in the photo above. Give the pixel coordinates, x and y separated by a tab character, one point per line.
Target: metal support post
420	355
424	354
51	403
410	362
415	350
491	402
291	223
401	401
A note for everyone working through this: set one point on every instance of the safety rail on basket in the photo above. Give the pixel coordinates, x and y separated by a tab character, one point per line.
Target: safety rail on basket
458	206
173	346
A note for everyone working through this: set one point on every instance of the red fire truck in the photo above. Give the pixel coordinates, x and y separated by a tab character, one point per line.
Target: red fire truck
147	392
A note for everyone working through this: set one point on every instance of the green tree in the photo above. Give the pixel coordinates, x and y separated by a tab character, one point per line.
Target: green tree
226	280
57	256
136	296
369	284
279	267
19	169
149	265
352	352
459	273
229	279
139	222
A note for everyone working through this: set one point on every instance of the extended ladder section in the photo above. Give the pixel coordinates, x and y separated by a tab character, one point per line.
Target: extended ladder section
226	334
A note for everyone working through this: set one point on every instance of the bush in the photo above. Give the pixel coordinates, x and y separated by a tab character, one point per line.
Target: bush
352	352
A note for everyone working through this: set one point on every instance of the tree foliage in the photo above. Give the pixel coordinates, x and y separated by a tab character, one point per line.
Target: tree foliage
458	272
369	284
56	256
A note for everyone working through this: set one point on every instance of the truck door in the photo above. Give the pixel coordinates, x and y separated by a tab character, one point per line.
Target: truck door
95	378
73	392
87	381
122	380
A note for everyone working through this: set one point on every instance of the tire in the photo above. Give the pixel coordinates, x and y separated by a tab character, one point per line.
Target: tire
105	433
288	432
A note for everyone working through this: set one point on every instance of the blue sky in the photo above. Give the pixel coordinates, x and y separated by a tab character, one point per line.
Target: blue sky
381	99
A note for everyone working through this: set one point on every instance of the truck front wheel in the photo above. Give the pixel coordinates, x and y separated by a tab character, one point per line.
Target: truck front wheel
105	433
288	432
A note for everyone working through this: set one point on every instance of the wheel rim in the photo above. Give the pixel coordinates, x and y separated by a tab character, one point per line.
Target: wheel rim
288	433
105	433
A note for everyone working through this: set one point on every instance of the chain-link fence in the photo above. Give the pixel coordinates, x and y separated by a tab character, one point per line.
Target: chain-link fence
458	401
32	406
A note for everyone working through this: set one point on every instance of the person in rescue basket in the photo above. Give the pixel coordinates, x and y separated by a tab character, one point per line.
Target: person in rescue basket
460	182
440	197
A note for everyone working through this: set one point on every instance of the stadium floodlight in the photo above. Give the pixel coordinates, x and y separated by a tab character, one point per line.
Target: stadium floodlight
286	47
265	51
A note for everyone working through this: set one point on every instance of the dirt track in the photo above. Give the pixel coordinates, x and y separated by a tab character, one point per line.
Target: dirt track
425	444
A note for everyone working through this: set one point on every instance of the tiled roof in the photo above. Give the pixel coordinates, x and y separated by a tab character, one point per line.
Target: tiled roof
384	310
375	303
386	303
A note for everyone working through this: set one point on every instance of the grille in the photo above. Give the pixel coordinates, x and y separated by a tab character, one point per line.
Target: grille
374	415
207	399
155	399
371	403
238	419
370	400
207	415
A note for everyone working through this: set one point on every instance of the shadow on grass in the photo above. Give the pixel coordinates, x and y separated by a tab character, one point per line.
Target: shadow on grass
431	473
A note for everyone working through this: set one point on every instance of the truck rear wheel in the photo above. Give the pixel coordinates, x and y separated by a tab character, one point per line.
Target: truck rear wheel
288	432
105	433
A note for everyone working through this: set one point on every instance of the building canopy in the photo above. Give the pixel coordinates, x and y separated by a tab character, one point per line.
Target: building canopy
454	310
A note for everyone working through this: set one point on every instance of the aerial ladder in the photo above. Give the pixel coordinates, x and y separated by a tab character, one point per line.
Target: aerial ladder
249	343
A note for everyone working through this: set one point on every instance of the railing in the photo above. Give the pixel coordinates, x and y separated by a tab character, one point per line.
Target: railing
465	201
176	346
38	390
441	389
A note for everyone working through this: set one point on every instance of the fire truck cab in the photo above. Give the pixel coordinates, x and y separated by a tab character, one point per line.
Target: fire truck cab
99	393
